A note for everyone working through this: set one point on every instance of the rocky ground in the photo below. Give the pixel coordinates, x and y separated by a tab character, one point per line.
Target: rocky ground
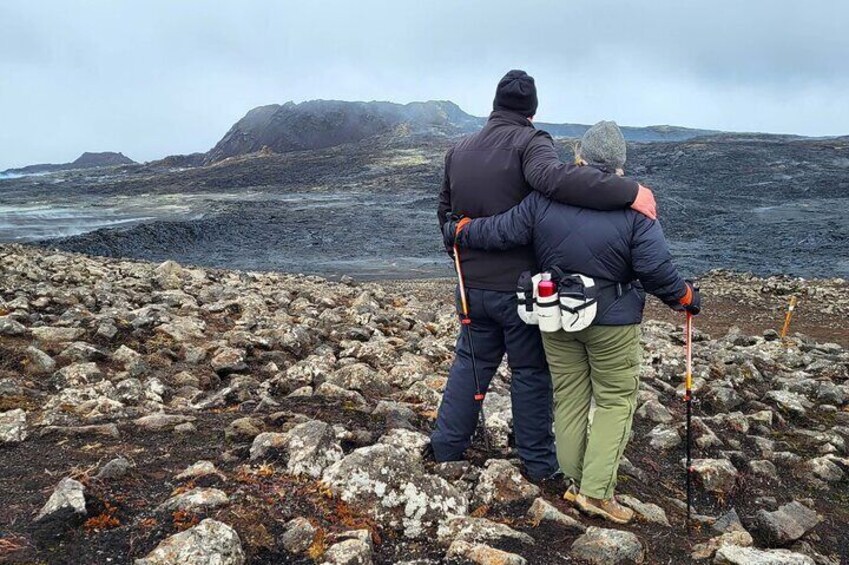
158	414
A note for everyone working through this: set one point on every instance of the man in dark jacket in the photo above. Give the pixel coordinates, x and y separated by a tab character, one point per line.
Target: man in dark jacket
485	174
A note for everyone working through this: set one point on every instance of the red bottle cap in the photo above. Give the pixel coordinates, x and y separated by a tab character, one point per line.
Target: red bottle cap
546	288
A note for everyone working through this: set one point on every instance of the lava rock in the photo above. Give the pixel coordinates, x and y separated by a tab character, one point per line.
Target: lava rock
104	430
10	327
348	552
728	522
40	363
162	422
57	335
824	469
207	543
312	447
604	546
475	529
183	329
663	437
709	548
453	470
168	275
723	399
763	468
66	504
299	535
735	555
268	445
394	489
649	512
716	475
790	402
114	469
333	392
81	351
361	378
481	554
229	360
502	486
107	331
200	469
242	429
543	511
126	356
654	411
185	428
196	500
396	414
77	375
408	440
785	525
13	426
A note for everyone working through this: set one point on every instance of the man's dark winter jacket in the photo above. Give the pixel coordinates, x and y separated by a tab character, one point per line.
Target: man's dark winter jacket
619	246
493	170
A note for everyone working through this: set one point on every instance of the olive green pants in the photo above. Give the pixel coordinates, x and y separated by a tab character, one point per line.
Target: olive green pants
600	363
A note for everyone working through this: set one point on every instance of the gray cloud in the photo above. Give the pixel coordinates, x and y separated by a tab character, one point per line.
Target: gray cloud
158	77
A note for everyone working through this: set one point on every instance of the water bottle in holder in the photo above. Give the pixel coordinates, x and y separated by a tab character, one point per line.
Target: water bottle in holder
548	304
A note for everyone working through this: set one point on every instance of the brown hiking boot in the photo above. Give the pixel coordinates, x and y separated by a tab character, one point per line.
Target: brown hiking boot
571	493
608	509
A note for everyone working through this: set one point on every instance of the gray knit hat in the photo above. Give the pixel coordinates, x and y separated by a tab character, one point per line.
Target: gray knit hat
603	146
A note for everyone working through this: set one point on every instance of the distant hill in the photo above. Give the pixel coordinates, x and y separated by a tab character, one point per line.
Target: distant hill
318	124
103	159
180	161
87	160
647	134
325	123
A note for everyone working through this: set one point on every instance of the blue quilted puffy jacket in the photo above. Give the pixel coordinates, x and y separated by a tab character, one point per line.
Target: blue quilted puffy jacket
621	246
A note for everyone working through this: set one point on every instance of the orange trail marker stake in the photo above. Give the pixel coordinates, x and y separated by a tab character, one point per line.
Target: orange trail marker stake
788	317
466	321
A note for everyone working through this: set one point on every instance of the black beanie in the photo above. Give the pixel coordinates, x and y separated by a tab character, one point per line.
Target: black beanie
516	92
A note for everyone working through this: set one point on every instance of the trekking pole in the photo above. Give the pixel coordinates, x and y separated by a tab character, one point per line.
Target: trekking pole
466	321
790	308
688	398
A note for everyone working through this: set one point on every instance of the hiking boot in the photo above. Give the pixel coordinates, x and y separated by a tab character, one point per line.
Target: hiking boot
608	509
571	493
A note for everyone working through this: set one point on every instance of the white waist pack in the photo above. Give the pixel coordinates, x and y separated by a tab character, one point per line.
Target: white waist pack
578	301
573	307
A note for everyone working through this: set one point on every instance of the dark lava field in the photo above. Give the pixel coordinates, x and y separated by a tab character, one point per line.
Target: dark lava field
762	204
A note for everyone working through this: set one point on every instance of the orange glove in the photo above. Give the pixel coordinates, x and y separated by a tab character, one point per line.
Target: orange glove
451	230
692	300
461	225
644	203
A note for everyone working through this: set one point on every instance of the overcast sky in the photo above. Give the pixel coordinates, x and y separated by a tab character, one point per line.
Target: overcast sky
157	77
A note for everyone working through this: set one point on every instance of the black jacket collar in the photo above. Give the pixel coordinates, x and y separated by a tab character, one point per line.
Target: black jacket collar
510	117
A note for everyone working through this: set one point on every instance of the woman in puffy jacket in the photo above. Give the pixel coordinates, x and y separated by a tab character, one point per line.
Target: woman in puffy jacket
625	254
